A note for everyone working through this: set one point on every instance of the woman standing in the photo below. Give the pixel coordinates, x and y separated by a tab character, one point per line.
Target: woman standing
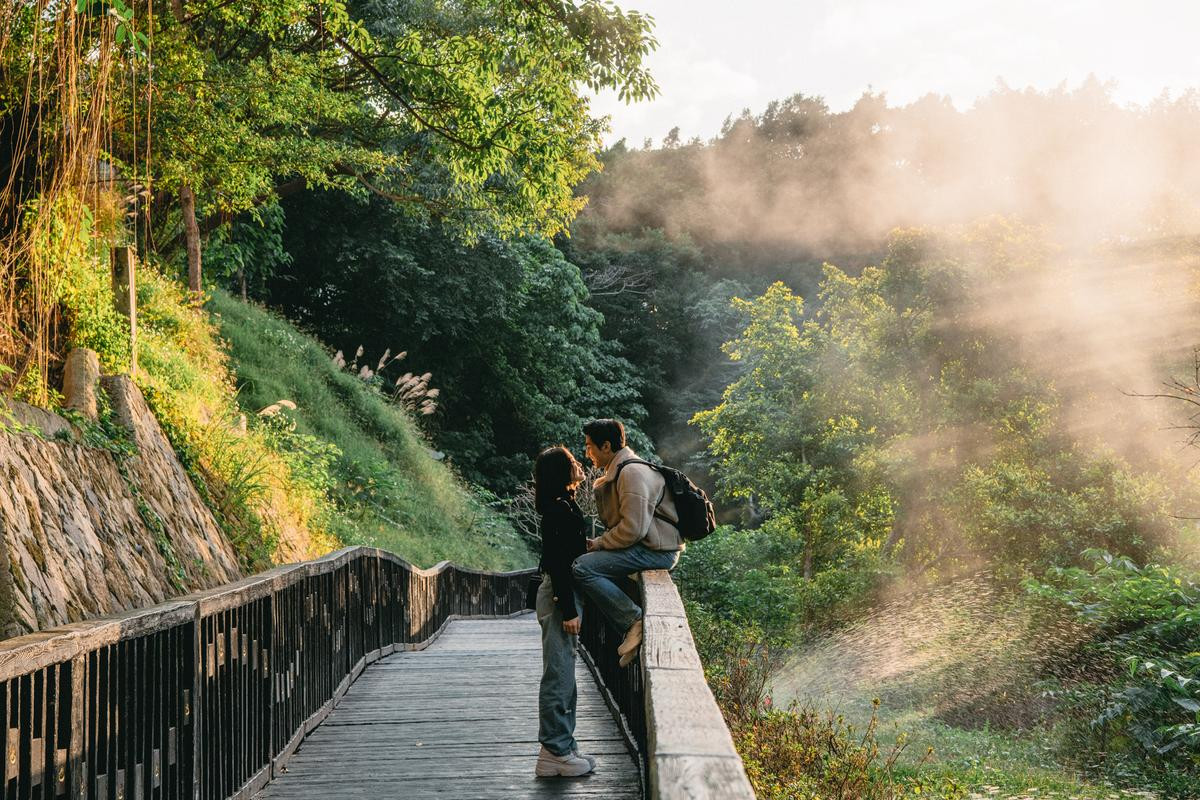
556	474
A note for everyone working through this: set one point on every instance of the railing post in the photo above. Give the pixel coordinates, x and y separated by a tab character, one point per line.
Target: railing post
689	750
191	703
76	773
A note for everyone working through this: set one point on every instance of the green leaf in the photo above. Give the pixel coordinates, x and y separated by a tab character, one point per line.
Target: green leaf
1187	703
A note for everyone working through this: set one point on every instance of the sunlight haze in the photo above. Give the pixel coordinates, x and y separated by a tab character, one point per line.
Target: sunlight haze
715	59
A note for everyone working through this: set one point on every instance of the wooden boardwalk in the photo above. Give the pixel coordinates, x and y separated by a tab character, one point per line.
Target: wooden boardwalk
457	721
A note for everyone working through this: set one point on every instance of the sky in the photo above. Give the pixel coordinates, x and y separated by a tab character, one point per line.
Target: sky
716	58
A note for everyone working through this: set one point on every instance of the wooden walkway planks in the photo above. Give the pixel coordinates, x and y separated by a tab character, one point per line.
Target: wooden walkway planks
458	721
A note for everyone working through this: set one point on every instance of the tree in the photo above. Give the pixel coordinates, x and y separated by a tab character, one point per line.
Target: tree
905	417
470	112
503	326
776	439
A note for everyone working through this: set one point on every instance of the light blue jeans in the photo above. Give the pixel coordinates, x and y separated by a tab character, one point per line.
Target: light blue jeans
597	575
557	694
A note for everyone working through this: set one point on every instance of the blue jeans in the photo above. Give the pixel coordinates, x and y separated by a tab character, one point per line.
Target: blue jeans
557	693
596	574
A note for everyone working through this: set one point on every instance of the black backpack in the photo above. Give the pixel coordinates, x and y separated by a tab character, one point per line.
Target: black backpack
697	518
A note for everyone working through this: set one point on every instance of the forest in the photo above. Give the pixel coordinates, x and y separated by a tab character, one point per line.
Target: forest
937	367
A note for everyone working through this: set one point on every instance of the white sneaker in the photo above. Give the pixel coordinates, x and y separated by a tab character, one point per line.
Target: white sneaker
590	759
572	765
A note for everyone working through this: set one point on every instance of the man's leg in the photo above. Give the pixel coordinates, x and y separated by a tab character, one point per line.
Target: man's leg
557	693
598	573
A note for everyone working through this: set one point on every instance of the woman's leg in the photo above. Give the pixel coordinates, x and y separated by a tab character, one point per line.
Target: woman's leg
557	694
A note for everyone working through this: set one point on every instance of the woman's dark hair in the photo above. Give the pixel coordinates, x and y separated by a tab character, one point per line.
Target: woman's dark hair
554	473
605	430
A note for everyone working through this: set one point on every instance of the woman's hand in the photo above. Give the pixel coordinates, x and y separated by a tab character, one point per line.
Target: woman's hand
593	545
571	626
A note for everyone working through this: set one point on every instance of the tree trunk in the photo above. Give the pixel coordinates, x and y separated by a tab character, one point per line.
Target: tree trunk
894	537
242	281
192	235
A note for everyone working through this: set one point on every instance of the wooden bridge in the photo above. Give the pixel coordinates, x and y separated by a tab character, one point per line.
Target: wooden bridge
352	676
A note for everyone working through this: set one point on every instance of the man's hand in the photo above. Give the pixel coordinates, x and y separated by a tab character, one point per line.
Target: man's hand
593	545
571	626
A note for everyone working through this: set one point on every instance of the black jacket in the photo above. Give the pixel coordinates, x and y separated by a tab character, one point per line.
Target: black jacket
563	540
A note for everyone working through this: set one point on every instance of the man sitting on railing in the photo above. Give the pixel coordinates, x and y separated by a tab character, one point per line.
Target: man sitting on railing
641	534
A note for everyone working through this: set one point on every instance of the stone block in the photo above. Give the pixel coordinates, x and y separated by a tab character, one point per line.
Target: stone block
80	376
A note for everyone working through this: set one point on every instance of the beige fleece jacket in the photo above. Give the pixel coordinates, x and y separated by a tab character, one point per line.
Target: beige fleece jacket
626	507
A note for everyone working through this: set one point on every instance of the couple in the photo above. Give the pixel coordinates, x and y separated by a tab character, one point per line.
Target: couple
641	533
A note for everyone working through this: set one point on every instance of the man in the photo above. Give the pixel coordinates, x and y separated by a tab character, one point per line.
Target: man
638	513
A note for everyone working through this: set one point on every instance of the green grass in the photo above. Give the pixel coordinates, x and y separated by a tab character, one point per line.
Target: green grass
385	487
988	763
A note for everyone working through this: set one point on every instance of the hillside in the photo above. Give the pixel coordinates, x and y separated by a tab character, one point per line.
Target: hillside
379	479
344	467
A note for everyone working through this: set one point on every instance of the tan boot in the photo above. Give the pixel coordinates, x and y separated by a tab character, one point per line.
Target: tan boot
629	647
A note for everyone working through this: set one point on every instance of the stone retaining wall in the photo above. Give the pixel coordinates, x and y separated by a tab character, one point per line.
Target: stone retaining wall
73	543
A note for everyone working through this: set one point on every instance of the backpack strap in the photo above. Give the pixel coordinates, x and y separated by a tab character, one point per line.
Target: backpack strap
663	496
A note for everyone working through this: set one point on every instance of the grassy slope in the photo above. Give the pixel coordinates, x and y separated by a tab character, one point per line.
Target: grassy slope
389	492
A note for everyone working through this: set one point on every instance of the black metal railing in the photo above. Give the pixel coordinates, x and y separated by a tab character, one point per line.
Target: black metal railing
622	687
207	696
668	714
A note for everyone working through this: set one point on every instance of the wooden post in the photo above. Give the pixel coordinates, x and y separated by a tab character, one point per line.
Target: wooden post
76	767
124	283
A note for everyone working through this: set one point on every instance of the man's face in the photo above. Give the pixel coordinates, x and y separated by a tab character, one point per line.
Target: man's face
597	455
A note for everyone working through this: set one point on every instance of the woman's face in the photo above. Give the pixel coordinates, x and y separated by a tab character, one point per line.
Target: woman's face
576	472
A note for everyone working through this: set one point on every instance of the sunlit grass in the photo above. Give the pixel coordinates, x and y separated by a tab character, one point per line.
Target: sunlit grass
387	489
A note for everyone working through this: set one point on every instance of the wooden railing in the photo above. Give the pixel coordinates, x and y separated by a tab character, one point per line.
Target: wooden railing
206	697
669	712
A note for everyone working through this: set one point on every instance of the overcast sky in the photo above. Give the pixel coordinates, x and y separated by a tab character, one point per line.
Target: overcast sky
716	58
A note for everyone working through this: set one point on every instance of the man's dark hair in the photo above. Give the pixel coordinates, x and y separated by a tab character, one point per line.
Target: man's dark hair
606	430
556	473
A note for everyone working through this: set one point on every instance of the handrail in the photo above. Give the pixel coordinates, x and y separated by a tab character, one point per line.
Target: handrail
671	714
207	696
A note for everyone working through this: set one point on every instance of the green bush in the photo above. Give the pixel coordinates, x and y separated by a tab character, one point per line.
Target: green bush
1144	700
757	577
799	752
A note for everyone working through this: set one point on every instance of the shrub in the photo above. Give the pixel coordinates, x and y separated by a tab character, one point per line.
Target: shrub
756	577
1145	696
798	752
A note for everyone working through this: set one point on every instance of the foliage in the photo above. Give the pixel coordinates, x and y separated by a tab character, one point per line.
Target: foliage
798	751
899	420
751	577
473	113
800	181
246	252
54	89
517	353
666	309
1146	628
816	755
362	455
471	110
83	289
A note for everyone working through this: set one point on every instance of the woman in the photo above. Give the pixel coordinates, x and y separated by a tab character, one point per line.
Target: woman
556	474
